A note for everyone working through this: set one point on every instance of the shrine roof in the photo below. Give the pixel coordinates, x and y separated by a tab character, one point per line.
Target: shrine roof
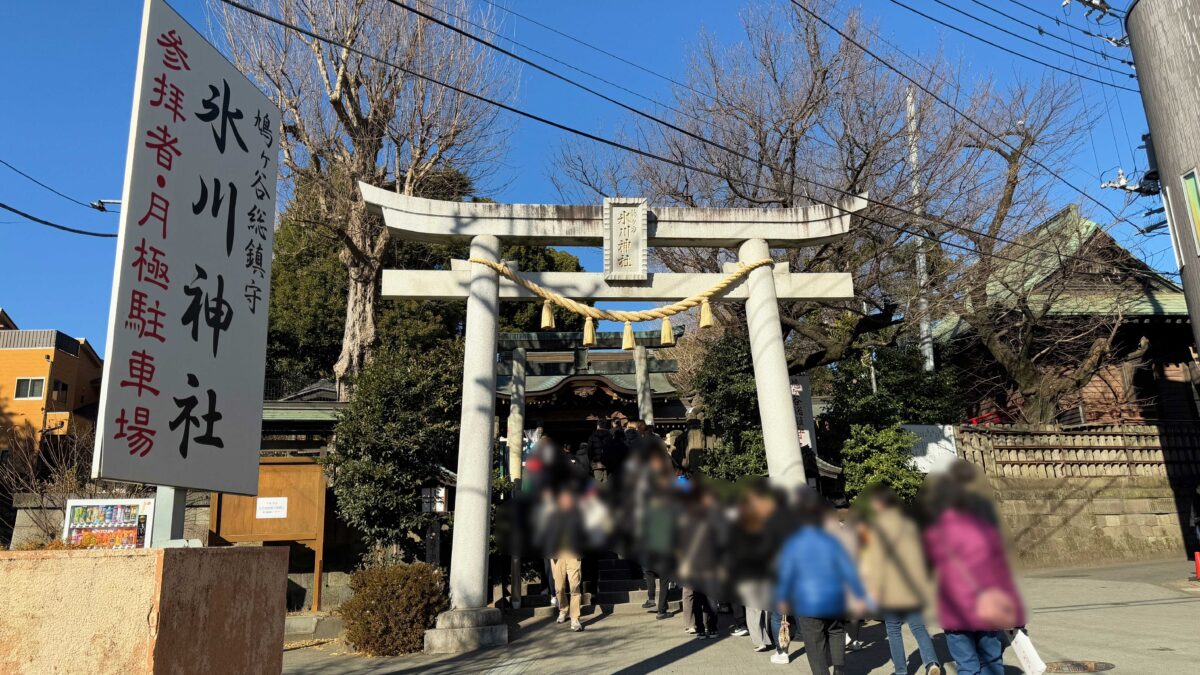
625	384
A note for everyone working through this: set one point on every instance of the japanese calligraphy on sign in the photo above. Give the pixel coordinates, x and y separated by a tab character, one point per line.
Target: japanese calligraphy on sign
625	250
802	406
182	400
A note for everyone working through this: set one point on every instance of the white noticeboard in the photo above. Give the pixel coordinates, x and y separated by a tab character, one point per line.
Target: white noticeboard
934	449
183	371
270	507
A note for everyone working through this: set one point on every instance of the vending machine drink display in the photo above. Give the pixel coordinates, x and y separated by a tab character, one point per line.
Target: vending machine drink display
109	523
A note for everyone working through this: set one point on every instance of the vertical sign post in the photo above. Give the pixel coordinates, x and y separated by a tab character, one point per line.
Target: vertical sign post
183	371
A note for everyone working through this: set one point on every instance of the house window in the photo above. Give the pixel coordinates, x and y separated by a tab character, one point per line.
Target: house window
30	387
59	391
1191	194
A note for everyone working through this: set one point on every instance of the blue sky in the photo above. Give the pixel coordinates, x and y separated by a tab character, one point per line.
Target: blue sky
68	70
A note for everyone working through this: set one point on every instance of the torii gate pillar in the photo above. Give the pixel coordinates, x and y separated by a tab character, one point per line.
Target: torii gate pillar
470	623
785	465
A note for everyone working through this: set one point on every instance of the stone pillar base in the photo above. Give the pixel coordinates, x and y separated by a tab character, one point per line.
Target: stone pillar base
463	630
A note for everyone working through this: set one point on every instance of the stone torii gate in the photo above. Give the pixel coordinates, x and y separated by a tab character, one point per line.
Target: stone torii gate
627	229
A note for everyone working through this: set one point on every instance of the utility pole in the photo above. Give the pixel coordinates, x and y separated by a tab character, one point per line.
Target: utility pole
871	358
926	333
1162	37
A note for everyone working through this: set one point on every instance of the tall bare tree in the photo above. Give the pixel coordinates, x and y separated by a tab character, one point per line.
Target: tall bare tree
348	119
793	114
42	475
1047	291
796	113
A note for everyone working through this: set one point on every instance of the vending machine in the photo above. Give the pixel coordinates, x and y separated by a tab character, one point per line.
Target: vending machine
109	523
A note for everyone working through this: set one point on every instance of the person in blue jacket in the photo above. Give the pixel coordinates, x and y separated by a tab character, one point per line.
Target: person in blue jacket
814	576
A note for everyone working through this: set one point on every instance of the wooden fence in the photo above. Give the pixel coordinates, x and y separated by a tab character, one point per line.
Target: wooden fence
1046	451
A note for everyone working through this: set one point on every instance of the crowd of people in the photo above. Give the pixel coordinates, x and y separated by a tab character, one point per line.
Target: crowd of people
786	562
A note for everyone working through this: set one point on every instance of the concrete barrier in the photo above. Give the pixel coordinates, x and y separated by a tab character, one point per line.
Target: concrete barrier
198	610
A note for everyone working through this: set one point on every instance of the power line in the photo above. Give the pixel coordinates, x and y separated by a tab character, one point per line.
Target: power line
533	50
56	226
1109	74
1103	54
1042	31
681	130
47	187
1059	20
1091	137
942	80
599	78
1006	49
635	150
576	40
833	4
887	64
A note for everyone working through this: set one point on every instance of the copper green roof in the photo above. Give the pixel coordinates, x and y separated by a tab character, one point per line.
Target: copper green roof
306	411
625	383
1039	254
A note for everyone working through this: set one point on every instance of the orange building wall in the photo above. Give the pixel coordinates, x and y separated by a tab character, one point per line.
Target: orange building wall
15	363
78	372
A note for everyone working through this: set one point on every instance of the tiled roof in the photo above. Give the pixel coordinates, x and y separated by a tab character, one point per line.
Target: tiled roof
1037	257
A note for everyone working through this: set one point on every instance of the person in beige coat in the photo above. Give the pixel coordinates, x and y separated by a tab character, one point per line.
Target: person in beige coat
896	576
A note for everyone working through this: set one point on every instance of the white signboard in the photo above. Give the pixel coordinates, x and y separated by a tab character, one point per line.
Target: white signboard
183	372
626	251
270	507
934	449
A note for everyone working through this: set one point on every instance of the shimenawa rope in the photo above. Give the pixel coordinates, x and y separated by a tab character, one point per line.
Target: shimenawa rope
593	313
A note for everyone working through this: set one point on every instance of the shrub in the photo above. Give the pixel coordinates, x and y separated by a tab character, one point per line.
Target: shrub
391	607
872	456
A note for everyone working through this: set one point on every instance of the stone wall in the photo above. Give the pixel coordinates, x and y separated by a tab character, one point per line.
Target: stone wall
197	610
1070	497
30	512
1081	521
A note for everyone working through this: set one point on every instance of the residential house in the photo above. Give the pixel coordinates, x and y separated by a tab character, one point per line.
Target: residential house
49	381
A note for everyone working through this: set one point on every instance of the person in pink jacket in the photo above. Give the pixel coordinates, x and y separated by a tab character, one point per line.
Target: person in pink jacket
976	597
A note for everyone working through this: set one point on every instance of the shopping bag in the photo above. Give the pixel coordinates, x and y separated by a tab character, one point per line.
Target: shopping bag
1026	655
785	634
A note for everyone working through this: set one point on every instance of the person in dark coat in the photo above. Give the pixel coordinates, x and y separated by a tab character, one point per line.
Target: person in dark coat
583	460
563	539
598	444
634	434
615	453
705	533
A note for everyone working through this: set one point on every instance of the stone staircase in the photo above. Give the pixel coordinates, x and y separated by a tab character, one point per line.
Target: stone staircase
619	588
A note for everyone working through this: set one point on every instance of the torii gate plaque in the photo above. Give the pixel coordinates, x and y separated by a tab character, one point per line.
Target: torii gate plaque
627	229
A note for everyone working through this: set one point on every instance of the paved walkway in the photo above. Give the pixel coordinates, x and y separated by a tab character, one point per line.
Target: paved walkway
1142	618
